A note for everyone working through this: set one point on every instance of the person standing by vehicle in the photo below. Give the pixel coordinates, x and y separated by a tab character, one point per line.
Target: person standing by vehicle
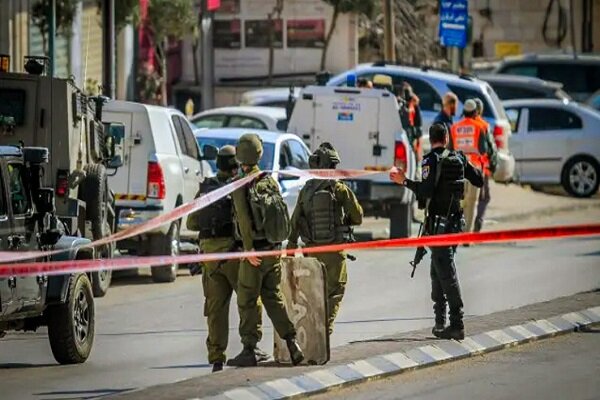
325	213
410	114
490	161
449	103
469	137
262	223
214	225
439	193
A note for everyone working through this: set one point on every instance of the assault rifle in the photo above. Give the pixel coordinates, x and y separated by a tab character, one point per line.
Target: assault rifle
419	254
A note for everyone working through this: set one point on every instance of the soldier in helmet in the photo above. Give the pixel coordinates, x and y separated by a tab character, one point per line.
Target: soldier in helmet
262	223
214	225
440	192
324	214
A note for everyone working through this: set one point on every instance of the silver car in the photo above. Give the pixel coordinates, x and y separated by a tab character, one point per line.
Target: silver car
266	118
281	151
556	142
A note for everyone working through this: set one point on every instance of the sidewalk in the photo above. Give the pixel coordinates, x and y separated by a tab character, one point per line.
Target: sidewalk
408	343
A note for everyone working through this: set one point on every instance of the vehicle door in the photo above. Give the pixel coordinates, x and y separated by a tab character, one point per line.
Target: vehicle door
293	155
121	125
28	289
550	131
517	117
8	298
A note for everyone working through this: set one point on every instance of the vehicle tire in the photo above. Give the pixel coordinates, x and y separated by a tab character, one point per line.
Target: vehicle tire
400	220
166	245
581	176
71	325
96	195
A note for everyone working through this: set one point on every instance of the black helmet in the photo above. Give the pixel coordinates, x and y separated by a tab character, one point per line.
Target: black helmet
226	158
325	157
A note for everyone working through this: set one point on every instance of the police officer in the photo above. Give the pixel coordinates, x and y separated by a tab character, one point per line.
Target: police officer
258	277
470	137
324	214
440	192
214	225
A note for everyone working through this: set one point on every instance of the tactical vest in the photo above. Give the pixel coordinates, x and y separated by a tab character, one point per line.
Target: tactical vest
324	215
270	216
216	220
450	187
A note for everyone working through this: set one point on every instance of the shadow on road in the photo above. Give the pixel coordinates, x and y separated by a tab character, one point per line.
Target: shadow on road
186	366
80	394
25	366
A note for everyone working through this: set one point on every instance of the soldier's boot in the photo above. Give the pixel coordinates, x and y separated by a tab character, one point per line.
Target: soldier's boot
218	366
478	225
456	330
247	358
296	354
261	355
440	319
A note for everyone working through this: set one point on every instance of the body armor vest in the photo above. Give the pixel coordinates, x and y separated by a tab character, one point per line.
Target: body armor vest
324	215
216	220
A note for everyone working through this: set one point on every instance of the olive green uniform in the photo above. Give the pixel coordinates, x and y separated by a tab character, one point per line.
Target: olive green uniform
349	212
262	281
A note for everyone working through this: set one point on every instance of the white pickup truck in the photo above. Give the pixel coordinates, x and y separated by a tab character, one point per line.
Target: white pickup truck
364	126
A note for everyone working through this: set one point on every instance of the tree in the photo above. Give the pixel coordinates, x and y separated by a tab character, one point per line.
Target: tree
273	16
126	12
65	14
342	7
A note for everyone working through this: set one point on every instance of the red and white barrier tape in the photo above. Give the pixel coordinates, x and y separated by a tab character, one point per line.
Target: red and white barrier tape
79	266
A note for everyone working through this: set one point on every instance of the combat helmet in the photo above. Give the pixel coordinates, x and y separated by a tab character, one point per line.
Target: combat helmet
325	157
226	158
249	149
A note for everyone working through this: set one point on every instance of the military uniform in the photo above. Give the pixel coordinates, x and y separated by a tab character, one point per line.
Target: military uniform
440	191
326	221
258	281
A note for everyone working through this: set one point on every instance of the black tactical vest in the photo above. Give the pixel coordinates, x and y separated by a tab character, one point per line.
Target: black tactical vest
450	187
216	220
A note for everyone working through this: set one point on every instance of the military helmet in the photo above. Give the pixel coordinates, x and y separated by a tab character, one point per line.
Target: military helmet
226	158
249	149
325	157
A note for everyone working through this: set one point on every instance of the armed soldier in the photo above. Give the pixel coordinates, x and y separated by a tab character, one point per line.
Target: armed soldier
214	225
262	223
440	193
325	213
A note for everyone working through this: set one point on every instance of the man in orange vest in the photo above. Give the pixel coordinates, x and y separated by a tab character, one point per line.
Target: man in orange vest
470	137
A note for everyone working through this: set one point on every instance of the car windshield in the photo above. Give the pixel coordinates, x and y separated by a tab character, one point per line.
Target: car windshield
265	164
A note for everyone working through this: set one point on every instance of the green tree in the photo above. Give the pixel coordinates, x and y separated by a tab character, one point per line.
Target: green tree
342	7
126	12
65	14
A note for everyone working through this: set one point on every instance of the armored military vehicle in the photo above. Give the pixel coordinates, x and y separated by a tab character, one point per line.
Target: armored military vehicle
39	110
64	303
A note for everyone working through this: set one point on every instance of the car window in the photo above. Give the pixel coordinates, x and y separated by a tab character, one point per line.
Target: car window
521	69
190	140
265	163
285	156
179	132
272	103
298	154
282	125
464	94
210	121
240	121
510	92
573	77
514	116
552	119
18	192
496	101
429	99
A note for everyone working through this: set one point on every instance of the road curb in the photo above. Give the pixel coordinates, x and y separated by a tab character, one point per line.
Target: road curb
322	380
540	212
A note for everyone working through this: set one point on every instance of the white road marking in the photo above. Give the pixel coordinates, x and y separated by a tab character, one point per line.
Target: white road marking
365	368
401	360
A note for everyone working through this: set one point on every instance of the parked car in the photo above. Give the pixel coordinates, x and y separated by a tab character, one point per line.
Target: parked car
250	117
580	74
556	142
271	97
162	168
510	87
594	100
430	86
281	151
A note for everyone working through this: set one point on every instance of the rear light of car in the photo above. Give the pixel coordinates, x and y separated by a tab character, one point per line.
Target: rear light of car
156	188
400	155
62	183
499	137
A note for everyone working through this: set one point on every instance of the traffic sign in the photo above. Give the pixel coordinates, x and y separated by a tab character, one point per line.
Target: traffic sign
454	15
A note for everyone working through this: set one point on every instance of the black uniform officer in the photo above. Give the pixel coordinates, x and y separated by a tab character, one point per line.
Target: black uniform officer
440	191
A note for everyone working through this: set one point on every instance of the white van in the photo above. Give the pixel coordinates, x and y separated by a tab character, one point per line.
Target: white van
161	169
364	126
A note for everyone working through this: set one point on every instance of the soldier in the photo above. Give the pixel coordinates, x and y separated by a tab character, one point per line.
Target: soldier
262	223
324	214
440	192
215	231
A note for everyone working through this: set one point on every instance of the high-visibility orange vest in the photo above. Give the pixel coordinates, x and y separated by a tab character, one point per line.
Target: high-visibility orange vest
465	135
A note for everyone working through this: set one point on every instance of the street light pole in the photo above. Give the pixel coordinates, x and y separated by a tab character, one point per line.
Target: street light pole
388	31
208	66
51	36
108	48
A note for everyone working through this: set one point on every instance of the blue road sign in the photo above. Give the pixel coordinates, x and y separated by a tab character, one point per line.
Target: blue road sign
454	15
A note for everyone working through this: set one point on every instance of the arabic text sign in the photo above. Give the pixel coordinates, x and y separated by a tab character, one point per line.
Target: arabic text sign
453	23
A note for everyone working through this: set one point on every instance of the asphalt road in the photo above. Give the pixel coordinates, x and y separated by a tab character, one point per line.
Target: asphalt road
566	367
149	334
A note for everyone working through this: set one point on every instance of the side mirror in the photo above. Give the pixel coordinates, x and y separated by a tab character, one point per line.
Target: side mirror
209	152
44	200
113	144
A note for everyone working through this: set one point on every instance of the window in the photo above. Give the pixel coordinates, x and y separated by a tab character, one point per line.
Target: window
265	164
18	192
552	119
190	140
573	77
464	94
210	121
179	132
521	69
285	156
240	121
282	125
299	155
429	99
514	116
12	104
510	92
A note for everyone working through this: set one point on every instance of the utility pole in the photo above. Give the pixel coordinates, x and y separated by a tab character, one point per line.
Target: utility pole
208	66
388	31
108	48
51	36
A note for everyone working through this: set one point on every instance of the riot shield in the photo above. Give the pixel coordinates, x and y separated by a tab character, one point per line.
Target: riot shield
303	283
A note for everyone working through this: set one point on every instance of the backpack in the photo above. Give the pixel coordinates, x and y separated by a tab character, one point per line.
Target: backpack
269	213
215	220
320	208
